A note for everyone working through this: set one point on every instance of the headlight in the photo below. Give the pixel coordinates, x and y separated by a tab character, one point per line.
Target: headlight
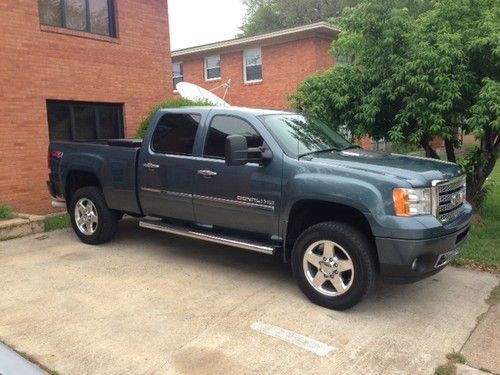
411	202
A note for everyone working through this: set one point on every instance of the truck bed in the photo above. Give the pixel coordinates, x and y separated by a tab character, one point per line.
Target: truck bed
113	161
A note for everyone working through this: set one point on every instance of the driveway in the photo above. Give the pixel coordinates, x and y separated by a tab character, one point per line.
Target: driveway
151	303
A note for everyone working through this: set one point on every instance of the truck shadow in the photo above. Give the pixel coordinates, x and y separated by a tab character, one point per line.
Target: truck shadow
163	247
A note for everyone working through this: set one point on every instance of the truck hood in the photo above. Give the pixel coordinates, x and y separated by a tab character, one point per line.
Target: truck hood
418	171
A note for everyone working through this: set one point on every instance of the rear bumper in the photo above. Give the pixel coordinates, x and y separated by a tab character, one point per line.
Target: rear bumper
406	261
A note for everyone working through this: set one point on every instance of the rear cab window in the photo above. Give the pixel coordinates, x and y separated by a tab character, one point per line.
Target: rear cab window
175	134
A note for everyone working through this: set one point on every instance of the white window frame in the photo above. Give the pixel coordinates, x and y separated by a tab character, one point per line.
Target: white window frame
173	72
206	68
245	65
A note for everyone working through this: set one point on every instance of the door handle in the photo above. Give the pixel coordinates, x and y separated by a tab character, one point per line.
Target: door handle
151	166
206	173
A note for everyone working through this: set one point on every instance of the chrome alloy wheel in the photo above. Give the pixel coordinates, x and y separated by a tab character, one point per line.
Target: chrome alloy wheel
86	216
328	268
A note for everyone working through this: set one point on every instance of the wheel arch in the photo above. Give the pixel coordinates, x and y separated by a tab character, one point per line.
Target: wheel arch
77	179
305	213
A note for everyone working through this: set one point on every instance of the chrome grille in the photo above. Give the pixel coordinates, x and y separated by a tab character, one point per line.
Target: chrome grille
450	197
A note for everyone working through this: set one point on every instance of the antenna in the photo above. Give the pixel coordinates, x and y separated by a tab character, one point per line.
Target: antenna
196	93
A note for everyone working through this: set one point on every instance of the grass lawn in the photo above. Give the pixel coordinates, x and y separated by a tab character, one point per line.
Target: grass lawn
57	222
482	248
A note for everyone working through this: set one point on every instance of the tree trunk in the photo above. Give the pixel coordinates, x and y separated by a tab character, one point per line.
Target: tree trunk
429	151
450	151
488	155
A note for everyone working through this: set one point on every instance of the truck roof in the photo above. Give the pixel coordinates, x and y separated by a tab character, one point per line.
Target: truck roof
229	110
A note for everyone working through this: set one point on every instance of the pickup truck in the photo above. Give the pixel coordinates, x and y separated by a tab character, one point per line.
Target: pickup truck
274	182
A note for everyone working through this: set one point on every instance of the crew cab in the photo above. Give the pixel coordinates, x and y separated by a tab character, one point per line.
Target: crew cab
274	182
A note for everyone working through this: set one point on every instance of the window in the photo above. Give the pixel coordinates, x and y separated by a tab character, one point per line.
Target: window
78	121
93	16
178	73
212	67
299	135
253	64
175	134
221	127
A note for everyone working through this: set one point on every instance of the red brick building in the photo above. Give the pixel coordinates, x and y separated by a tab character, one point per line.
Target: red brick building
65	64
263	69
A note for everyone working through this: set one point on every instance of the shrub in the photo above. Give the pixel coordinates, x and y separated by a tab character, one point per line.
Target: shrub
176	103
5	211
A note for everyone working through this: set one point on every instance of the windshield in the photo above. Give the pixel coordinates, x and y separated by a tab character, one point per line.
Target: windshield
299	135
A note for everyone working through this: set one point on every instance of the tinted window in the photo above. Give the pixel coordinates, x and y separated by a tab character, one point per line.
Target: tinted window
84	121
94	16
221	127
175	134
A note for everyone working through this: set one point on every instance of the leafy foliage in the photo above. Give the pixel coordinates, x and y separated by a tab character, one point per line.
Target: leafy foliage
421	70
270	15
5	211
176	103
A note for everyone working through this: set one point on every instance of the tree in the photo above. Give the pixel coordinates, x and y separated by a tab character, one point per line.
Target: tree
423	72
270	15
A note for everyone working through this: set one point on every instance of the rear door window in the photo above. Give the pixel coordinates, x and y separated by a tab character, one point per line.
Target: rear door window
175	134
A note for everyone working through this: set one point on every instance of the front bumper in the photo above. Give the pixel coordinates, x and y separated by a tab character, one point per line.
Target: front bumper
405	261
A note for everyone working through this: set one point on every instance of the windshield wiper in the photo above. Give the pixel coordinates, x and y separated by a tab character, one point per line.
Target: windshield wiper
350	147
319	151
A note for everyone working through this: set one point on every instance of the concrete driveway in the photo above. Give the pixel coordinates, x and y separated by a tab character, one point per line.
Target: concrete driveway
151	303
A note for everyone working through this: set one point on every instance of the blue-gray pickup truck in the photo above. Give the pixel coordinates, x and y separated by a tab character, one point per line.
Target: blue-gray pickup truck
276	183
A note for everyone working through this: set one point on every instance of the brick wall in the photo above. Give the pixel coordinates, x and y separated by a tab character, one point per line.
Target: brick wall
285	66
39	63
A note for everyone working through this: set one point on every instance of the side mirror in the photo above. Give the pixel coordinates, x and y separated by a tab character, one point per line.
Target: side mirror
238	153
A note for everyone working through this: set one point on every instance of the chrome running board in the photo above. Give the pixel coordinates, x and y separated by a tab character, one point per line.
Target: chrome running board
209	236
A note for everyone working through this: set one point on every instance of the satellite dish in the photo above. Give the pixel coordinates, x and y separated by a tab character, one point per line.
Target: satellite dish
193	92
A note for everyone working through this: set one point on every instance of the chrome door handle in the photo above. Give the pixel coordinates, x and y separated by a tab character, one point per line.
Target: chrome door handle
207	173
151	166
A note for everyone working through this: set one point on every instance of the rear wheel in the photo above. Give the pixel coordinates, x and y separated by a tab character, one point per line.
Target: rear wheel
93	222
334	265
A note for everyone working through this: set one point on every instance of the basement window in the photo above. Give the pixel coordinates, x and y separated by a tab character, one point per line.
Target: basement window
81	121
253	65
92	16
212	68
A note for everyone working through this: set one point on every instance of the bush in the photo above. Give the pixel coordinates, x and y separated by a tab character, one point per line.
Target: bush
5	211
176	103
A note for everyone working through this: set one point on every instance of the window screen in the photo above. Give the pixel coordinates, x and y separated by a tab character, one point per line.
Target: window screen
253	64
178	73
212	67
221	127
175	134
80	121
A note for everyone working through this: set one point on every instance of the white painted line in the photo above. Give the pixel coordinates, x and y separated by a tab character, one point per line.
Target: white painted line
317	347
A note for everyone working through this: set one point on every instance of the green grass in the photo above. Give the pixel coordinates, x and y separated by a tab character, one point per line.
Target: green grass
57	222
482	247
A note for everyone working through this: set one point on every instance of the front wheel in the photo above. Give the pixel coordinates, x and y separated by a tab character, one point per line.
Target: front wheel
93	222
334	265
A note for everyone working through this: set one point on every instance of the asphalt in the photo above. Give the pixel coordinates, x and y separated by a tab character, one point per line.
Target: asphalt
153	303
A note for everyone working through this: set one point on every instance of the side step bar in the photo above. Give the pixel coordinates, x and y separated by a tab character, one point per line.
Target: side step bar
209	236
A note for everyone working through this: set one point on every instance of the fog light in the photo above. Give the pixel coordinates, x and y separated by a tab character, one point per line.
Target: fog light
414	264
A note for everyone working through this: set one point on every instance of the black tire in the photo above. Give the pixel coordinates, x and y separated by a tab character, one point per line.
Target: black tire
359	256
107	219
